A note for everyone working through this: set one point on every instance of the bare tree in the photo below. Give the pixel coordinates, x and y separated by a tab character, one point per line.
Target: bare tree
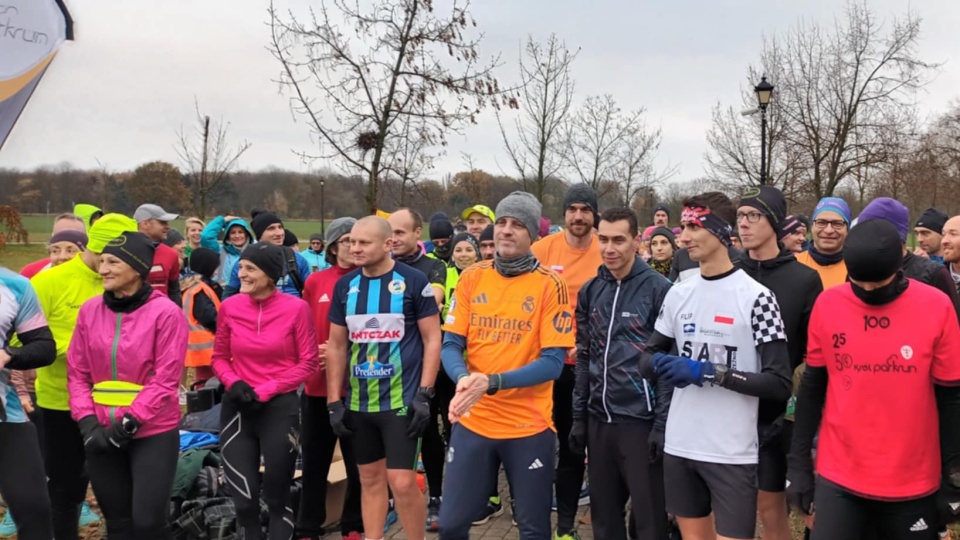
410	159
612	150
209	158
382	65
634	172
839	91
532	141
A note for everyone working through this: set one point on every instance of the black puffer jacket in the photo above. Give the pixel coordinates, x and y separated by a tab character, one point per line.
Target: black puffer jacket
933	274
796	287
614	321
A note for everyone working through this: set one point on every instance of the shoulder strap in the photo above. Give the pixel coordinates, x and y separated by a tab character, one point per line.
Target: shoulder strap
292	268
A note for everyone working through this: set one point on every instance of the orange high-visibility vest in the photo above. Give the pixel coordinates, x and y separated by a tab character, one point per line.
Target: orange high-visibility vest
200	345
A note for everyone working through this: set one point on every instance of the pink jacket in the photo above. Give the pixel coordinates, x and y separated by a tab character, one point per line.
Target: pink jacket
270	344
145	347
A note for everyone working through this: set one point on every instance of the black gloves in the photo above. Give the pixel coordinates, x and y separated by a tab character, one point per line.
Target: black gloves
117	436
420	417
242	395
655	442
800	488
578	437
94	435
337	412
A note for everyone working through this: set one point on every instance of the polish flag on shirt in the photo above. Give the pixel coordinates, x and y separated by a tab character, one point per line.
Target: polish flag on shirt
721	318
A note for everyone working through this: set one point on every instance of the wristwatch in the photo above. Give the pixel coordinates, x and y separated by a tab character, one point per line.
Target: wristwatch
721	373
494	384
129	424
427	391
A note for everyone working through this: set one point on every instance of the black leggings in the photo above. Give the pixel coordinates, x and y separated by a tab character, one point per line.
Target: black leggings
67	479
317	443
434	447
571	466
133	486
273	432
841	515
22	479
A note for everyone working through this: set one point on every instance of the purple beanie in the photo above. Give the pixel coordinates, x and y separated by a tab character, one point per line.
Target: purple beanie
74	237
891	210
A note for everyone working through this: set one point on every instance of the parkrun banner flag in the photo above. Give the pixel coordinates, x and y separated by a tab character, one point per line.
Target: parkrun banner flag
31	32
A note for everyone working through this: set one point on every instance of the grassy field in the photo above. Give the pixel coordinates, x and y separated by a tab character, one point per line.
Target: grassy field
16	256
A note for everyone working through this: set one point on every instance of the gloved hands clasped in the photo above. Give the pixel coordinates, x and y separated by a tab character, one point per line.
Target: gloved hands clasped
680	372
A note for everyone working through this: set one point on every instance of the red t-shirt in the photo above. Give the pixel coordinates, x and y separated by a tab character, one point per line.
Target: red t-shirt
166	268
880	435
318	293
34	268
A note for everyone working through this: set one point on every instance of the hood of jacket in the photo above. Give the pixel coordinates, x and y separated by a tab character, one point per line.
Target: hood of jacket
230	248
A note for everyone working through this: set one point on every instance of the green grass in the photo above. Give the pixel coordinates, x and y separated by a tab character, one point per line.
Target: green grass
16	256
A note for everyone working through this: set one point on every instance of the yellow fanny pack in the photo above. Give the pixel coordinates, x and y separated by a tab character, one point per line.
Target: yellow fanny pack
115	393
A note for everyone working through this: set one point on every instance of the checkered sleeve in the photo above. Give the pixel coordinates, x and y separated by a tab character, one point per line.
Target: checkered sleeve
767	324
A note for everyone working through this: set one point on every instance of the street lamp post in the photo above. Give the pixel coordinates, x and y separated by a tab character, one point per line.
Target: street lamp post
323	215
764	91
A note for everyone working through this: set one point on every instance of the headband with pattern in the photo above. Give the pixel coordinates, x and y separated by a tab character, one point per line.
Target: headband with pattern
703	217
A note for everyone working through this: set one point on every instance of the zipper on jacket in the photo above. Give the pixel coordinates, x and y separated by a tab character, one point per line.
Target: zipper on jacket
606	351
113	361
646	394
259	316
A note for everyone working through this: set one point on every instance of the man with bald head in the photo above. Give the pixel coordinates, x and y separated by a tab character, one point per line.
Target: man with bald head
385	315
950	245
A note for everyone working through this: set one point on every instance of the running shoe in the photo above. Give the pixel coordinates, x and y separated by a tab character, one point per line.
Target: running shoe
572	535
7	527
493	509
433	514
352	536
391	517
87	516
513	512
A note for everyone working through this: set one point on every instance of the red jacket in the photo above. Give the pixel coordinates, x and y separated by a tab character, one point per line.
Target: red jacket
318	292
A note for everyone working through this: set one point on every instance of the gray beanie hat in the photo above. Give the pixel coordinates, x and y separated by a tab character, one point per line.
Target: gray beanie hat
338	228
524	207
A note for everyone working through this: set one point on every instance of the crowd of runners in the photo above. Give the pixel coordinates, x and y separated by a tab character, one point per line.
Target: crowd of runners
689	378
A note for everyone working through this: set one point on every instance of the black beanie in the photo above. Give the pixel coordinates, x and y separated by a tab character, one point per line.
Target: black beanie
769	201
266	257
932	219
582	194
873	251
666	233
133	248
204	262
290	239
441	228
261	220
487	234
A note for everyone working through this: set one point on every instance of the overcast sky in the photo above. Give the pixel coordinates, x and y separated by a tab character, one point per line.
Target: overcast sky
120	92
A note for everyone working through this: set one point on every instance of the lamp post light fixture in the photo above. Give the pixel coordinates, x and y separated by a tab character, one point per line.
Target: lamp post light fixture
764	92
323	215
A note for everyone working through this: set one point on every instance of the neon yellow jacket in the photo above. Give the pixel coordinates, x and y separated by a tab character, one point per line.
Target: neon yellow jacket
61	291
